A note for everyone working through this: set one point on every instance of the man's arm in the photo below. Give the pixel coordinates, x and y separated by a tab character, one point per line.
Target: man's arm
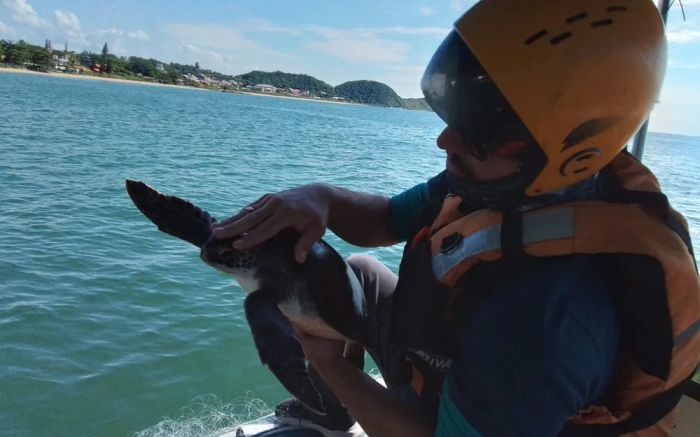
378	410
367	220
360	219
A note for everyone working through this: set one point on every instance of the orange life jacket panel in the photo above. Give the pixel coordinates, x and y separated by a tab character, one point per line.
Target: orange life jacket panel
661	342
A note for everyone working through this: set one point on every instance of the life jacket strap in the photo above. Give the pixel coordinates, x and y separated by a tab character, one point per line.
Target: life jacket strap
512	234
640	419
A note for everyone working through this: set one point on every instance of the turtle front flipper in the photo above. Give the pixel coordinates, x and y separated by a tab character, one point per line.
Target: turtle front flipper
279	349
171	214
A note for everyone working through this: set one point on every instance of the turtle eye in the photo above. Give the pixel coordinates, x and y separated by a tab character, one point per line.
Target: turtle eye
225	252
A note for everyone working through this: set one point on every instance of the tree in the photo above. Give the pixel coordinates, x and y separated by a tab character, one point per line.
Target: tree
17	53
40	59
370	92
145	67
196	67
103	60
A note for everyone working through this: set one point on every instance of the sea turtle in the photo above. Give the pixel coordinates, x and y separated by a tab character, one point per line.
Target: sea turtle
321	296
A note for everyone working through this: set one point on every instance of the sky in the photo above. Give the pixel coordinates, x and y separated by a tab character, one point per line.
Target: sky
334	41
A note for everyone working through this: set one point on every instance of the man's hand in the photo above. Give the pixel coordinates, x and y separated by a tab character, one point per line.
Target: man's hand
305	209
321	352
380	412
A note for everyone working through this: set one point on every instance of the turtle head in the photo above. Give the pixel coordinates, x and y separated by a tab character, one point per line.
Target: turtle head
269	258
243	265
220	254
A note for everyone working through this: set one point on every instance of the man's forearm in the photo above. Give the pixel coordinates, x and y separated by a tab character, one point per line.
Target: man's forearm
359	218
378	410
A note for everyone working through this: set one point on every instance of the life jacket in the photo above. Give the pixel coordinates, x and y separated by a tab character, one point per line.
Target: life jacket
656	288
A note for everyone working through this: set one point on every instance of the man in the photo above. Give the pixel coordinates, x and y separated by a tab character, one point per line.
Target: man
546	288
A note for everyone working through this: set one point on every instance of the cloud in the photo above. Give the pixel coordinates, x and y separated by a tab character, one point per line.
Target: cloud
365	45
211	36
68	27
23	13
683	36
67	20
683	65
138	35
211	55
358	47
4	28
462	5
400	30
677	109
260	25
426	11
225	49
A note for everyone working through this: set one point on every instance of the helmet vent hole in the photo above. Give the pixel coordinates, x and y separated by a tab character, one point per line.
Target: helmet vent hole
617	9
561	37
577	17
601	23
535	36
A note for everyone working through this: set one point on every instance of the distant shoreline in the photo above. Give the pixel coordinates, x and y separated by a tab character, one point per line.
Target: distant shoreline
87	77
137	82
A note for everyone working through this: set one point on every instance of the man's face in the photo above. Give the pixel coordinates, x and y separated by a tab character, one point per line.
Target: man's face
462	164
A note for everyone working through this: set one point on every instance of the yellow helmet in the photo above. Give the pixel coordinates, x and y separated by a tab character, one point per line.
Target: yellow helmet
576	78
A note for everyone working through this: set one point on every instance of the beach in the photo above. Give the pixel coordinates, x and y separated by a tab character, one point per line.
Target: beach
89	77
137	82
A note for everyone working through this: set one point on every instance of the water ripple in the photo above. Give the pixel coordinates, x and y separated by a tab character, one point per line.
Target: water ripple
108	325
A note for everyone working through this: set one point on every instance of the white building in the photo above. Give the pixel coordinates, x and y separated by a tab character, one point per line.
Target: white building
265	88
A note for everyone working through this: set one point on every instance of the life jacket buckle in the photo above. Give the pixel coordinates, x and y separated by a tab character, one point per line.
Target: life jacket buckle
450	243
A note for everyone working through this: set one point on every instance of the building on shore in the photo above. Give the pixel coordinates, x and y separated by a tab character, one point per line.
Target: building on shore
265	88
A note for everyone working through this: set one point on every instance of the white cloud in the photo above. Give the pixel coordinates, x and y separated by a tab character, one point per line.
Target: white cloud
677	109
222	38
5	29
672	63
68	27
359	46
211	56
224	49
210	36
138	35
462	5
23	13
67	20
426	11
683	36
401	30
261	25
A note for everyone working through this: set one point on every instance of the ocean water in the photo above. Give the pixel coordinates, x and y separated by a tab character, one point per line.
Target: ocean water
107	326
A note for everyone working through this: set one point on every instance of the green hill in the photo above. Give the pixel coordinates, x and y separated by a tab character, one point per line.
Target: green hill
369	92
286	80
418	104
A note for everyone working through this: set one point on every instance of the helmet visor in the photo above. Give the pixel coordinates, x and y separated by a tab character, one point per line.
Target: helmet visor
463	95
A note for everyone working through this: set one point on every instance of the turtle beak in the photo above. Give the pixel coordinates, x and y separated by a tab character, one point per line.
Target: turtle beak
218	252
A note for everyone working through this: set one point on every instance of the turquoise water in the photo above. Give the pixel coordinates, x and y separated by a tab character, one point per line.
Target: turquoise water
106	325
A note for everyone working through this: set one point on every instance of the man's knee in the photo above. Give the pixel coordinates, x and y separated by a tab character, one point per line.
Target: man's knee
361	262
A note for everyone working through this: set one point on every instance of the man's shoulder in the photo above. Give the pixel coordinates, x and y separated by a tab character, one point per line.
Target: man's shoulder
408	208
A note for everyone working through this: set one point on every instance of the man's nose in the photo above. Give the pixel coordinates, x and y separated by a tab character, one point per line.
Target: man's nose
449	139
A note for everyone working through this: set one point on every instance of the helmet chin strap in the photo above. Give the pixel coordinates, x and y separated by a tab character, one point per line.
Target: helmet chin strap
504	193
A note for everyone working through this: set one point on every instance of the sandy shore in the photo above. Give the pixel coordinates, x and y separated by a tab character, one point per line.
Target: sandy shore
136	82
305	99
88	77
